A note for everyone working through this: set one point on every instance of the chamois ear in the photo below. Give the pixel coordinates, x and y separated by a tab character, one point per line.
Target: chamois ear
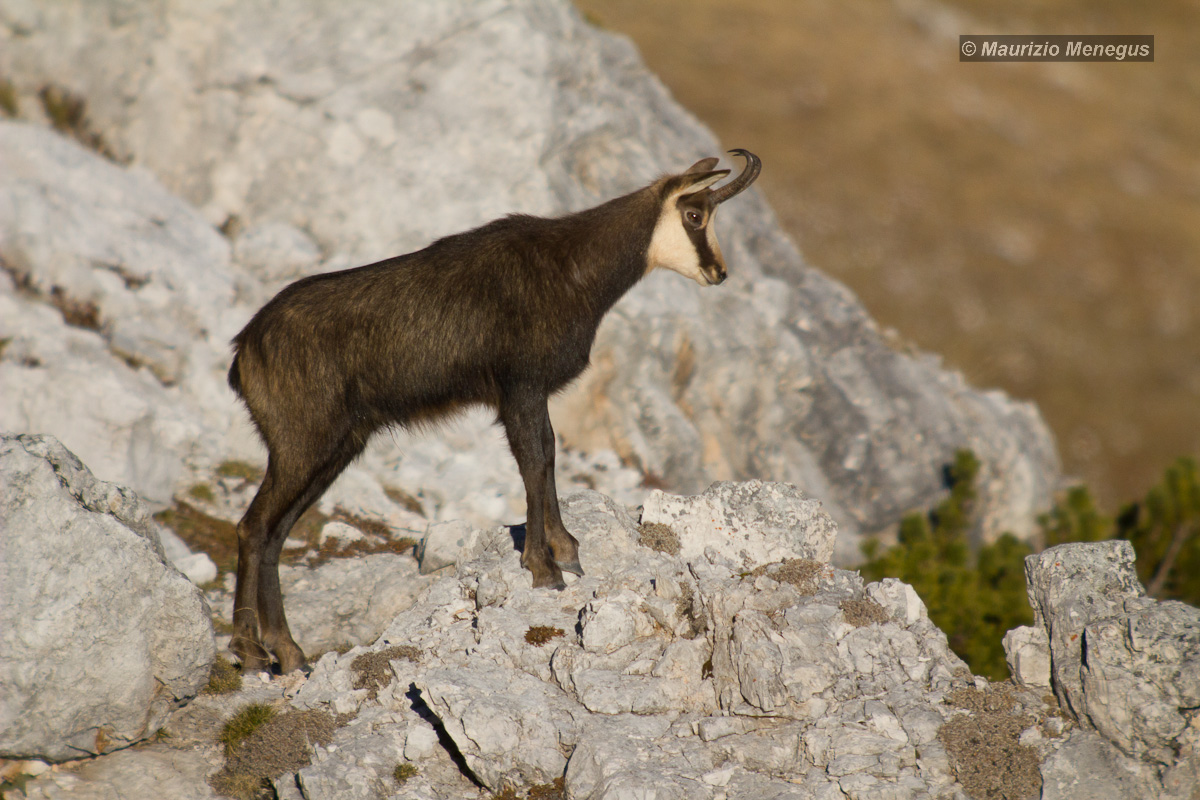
691	182
703	165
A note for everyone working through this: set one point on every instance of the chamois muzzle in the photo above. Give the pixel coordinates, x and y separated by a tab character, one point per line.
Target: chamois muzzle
741	182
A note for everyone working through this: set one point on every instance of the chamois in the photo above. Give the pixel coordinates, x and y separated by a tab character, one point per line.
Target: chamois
501	316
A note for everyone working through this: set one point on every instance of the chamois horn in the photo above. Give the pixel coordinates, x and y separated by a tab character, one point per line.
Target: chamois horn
739	184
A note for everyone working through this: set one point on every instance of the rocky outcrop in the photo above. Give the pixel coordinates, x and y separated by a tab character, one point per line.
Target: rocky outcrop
360	130
99	637
677	666
672	673
1125	665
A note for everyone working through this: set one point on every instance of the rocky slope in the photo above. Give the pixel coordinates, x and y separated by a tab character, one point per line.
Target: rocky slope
331	135
712	650
680	667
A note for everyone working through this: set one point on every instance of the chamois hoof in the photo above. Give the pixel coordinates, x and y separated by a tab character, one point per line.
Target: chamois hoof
550	582
572	567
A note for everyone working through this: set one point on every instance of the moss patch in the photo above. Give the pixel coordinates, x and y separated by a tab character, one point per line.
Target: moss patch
987	758
659	537
374	670
240	469
403	773
799	572
538	635
863	612
202	492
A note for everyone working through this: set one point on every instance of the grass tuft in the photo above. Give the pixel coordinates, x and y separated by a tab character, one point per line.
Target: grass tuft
223	678
243	724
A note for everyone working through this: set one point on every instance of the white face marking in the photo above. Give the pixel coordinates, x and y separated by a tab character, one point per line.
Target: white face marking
670	247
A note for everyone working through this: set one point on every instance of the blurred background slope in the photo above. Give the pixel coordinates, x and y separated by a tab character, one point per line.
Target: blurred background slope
1037	224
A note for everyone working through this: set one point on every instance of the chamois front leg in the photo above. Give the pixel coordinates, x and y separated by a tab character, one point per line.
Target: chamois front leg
525	417
563	546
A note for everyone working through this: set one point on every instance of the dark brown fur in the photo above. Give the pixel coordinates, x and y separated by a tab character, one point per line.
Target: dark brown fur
501	316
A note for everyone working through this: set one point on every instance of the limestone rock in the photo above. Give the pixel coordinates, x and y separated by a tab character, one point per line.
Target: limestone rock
1127	666
358	126
1141	678
1027	651
345	601
1087	766
99	636
749	523
664	672
1071	586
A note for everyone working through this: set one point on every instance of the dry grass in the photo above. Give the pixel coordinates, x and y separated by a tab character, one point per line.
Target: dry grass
203	532
271	747
404	499
374	671
659	537
77	313
987	758
799	572
539	635
863	612
223	677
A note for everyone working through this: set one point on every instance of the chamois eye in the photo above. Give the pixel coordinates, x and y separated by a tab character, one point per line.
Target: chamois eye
693	218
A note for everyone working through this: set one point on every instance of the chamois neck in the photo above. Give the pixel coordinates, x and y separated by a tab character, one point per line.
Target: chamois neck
608	248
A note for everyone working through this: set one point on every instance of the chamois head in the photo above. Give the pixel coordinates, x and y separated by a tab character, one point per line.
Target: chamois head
684	238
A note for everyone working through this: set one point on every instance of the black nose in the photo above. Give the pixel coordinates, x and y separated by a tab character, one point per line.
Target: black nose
721	277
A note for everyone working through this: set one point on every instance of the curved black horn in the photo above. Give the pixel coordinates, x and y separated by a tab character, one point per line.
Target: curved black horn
738	184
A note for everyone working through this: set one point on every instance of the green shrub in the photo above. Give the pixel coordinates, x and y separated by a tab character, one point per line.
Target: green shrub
976	597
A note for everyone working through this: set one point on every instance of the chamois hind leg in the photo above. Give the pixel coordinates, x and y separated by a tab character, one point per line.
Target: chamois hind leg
563	546
265	510
524	416
258	603
276	636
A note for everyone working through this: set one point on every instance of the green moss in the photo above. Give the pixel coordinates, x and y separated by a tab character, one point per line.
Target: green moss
403	772
240	469
202	492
